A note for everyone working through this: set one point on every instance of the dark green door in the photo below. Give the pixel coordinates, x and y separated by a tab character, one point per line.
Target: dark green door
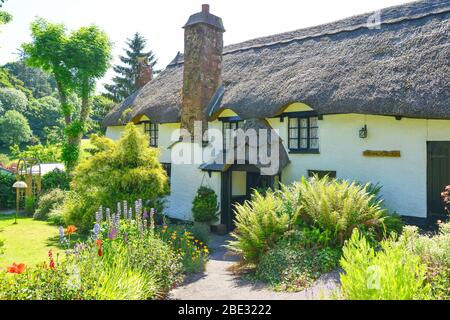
438	176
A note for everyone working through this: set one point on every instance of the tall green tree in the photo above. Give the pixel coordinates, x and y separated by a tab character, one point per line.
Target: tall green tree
5	17
76	61
124	82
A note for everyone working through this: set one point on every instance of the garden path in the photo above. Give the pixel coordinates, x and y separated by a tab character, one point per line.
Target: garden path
218	283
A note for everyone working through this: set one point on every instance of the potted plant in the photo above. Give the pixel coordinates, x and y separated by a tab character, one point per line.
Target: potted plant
205	207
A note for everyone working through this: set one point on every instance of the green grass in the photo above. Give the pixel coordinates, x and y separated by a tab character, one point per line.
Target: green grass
29	241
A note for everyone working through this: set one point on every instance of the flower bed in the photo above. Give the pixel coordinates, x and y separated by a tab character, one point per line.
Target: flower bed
126	257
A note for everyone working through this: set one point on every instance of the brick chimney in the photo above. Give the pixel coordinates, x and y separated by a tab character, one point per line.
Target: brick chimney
144	73
203	47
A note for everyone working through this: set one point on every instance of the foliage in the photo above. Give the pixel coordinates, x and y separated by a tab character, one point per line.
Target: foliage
193	251
46	121
12	99
201	232
292	268
101	106
205	206
7	193
127	170
259	224
30	204
40	83
446	197
15	129
4	159
56	179
76	62
339	207
49	202
45	153
124	82
393	273
434	251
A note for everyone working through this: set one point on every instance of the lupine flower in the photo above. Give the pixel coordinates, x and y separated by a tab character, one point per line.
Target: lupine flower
17	268
125	209
96	230
112	233
130	214
152	212
108	215
119	209
61	233
145	215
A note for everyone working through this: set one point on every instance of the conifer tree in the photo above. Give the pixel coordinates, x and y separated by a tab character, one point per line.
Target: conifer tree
124	81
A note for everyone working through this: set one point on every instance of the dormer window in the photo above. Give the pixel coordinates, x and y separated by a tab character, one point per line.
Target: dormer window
151	129
304	134
230	125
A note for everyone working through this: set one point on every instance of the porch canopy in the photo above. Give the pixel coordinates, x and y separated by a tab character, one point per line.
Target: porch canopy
270	160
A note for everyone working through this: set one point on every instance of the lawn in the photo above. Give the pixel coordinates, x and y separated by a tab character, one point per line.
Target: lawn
27	242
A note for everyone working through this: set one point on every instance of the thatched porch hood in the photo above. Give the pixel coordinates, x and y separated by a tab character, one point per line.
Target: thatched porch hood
401	68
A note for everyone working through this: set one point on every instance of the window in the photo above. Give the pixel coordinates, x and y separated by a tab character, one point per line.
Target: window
229	129
304	134
152	130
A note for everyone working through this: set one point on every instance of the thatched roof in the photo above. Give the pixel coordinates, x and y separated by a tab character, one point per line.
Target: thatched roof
400	69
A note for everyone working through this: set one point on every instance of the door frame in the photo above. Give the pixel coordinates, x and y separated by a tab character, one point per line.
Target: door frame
432	215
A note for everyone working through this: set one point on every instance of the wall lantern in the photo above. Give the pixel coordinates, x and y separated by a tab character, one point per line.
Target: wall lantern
19	186
363	132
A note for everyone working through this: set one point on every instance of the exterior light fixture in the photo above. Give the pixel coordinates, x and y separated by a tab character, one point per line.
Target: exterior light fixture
363	132
19	185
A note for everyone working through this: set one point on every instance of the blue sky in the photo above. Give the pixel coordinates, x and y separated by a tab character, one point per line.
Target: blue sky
161	21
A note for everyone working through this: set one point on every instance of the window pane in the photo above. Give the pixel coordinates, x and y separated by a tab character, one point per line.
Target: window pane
314	143
313	122
314	133
293	122
293	133
304	133
304	123
293	144
303	143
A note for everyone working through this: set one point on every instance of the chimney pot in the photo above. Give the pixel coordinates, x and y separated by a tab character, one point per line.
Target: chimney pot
205	8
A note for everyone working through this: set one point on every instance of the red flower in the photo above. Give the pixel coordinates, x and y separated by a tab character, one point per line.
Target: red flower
52	264
17	268
71	229
100	252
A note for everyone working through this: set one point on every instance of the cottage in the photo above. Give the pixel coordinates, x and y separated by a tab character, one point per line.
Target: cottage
351	99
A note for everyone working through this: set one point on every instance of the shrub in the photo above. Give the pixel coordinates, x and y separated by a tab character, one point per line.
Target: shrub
435	253
7	193
129	168
49	202
205	206
30	205
56	179
339	207
200	232
2	244
393	273
259	224
193	252
292	268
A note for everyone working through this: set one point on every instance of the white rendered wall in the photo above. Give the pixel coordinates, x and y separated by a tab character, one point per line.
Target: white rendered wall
404	179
